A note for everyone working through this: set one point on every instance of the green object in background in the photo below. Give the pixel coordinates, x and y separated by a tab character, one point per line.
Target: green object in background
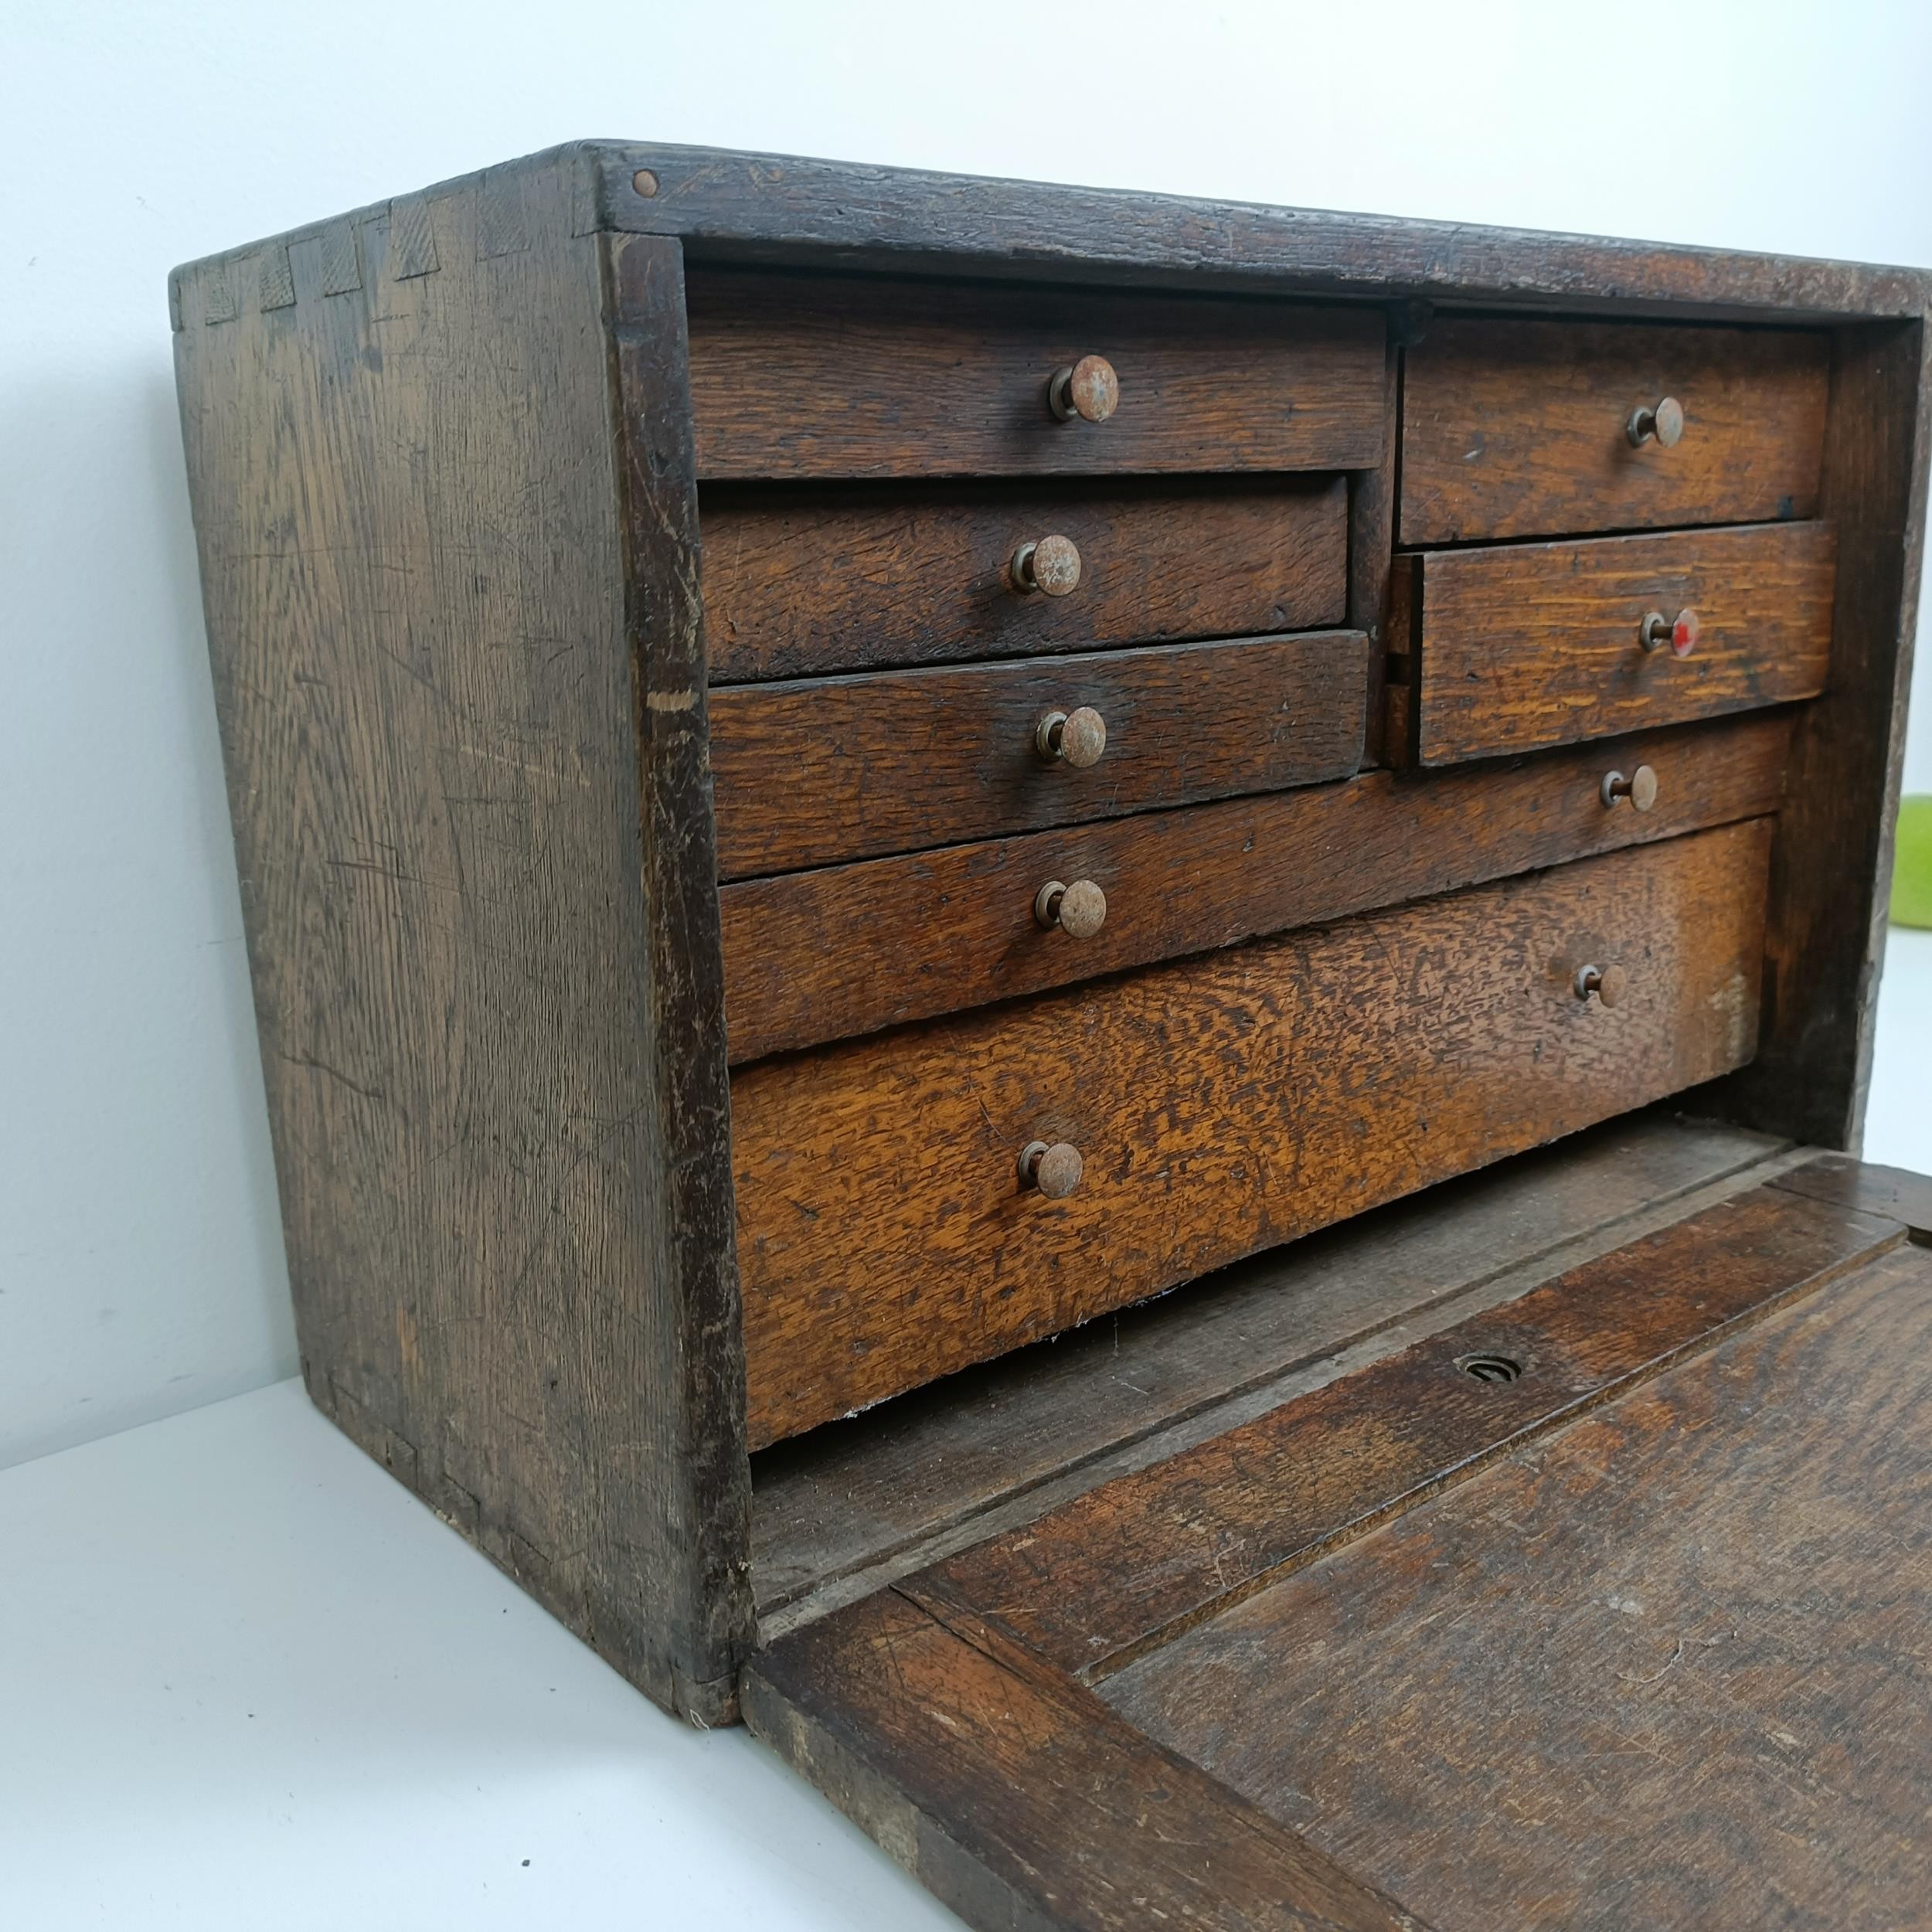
1912	870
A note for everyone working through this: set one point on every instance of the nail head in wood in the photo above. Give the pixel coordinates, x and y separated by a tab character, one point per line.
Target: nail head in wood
1640	787
646	183
1088	388
1609	983
1078	737
1052	567
1055	1170
1079	910
1663	420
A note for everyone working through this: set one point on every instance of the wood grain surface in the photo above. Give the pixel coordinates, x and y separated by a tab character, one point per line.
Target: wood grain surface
844	376
794	208
802	582
1532	645
1892	1191
1514	428
1119	1571
882	1239
473	954
826	954
831	768
1014	1437
1665	1668
1021	1800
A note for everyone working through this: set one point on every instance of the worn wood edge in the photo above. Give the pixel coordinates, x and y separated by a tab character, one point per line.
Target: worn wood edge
782	208
1894	1192
1280	1384
790	1705
942	1588
695	1256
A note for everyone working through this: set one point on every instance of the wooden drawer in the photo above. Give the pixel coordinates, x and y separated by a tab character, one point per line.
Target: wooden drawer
1219	1105
831	768
808	958
1516	648
1520	428
802	582
834	377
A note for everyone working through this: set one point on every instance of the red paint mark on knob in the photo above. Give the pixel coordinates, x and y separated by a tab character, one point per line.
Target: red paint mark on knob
1683	633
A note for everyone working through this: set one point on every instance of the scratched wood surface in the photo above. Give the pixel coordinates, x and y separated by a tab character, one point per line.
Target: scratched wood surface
1516	428
846	950
831	768
1133	1563
802	582
1021	1800
842	376
491	1022
1528	645
882	1239
1665	1668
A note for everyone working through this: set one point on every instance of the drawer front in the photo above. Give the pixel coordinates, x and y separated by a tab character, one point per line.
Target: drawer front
832	769
1523	429
808	958
1544	643
1219	1106
801	583
831	377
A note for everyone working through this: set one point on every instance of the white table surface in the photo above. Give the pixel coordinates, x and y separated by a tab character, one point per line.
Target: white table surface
247	1682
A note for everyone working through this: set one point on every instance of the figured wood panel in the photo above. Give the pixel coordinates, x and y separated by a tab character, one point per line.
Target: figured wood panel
822	955
1127	1567
842	376
1221	1105
1518	428
837	768
862	1498
1534	644
1665	1669
801	583
490	1018
1020	1800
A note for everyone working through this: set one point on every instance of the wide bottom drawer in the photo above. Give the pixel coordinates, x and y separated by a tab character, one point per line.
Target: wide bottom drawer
1217	1106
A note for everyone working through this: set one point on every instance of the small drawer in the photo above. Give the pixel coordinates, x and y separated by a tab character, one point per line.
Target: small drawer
799	583
831	377
1513	648
831	769
1537	429
1178	1118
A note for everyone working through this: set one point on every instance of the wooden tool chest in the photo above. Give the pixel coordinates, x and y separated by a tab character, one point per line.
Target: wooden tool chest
1067	990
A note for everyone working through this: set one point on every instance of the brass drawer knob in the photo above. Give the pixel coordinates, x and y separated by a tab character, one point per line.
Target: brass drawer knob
1088	388
1663	420
1609	983
1080	910
1055	1170
1680	632
1076	737
1052	567
1640	787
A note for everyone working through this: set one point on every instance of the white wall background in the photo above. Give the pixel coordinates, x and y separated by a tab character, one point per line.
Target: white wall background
140	1260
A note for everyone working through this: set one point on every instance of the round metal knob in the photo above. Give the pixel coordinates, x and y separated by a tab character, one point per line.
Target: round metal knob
1080	910
1055	1170
1078	737
1640	787
1088	388
1681	632
1052	567
1663	420
1609	983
